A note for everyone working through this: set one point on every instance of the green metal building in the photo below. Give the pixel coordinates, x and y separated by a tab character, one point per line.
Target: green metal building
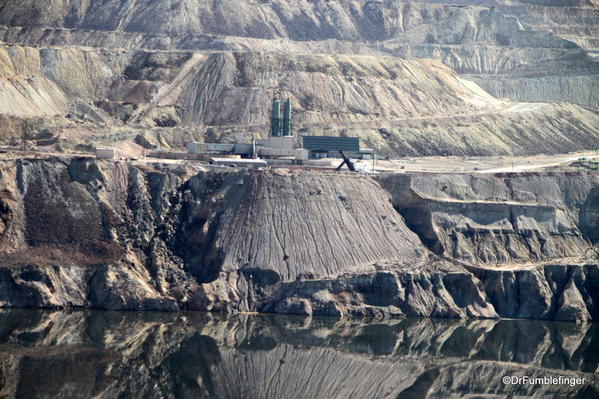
326	146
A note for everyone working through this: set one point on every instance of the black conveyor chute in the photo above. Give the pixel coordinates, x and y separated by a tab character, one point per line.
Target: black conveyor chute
346	161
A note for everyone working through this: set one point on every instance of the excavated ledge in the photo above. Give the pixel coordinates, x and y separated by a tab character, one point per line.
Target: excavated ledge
90	234
499	219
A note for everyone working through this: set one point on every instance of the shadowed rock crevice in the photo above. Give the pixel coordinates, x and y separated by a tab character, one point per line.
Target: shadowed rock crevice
418	218
589	216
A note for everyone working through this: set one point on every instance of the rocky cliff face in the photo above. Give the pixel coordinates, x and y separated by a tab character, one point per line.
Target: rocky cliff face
125	236
499	219
93	71
107	354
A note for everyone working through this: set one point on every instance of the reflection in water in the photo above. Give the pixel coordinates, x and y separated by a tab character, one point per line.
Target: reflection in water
125	354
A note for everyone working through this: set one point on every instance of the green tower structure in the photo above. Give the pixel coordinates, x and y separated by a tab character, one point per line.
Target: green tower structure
287	119
275	118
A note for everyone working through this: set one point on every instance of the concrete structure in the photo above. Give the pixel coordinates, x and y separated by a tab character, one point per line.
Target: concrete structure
198	148
366	153
286	143
106	153
239	162
280	143
301	154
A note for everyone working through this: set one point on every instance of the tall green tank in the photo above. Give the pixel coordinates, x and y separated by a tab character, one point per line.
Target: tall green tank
275	118
287	119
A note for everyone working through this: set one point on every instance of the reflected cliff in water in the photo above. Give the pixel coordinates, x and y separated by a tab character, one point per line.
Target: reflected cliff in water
125	354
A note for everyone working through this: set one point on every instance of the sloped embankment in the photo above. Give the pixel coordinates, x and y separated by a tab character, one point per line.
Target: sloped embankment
393	104
529	51
84	233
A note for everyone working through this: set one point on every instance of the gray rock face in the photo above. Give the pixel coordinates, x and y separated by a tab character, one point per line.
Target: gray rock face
387	294
165	237
550	291
278	225
499	219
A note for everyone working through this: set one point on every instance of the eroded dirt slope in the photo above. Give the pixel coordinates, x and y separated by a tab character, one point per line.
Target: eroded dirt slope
93	72
402	107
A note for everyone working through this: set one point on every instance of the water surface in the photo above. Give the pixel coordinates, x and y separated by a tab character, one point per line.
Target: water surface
84	354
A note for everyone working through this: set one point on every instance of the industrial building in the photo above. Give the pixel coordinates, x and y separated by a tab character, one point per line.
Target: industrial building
106	153
329	146
281	143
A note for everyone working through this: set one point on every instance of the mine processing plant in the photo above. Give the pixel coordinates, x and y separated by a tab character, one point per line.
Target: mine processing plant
281	143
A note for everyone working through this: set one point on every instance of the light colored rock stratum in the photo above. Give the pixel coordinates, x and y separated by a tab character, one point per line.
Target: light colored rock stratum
401	107
551	40
88	72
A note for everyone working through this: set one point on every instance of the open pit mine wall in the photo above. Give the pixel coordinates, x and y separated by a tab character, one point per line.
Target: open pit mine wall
528	51
502	218
85	233
179	97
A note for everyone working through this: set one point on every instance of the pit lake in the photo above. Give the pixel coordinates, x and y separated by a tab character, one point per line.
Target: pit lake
98	354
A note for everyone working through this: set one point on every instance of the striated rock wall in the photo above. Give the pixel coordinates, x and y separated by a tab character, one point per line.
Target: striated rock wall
85	233
392	104
499	218
475	37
